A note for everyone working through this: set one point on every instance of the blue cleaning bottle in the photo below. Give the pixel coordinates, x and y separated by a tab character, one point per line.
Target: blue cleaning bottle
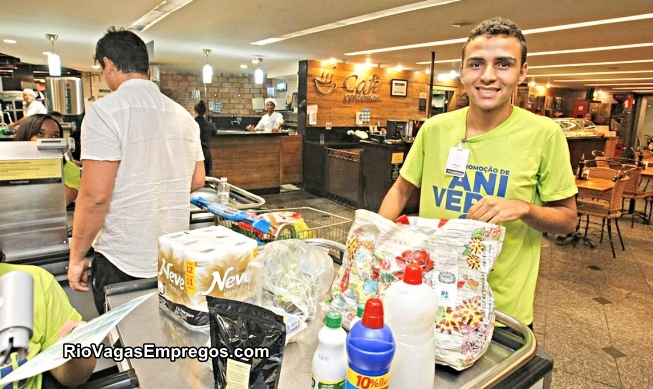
370	349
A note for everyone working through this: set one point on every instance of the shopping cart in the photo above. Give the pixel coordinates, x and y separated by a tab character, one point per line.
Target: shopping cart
316	224
238	199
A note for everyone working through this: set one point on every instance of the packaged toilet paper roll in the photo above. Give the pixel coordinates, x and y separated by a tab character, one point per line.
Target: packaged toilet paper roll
210	261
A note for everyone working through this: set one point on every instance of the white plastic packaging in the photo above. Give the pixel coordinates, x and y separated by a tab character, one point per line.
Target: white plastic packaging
410	310
329	367
223	191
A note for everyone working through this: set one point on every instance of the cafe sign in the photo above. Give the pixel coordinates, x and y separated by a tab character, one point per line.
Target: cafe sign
356	89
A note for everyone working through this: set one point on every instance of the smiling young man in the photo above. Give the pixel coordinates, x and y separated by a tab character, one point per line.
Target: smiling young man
496	163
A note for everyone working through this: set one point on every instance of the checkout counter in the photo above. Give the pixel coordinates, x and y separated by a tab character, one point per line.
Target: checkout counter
513	359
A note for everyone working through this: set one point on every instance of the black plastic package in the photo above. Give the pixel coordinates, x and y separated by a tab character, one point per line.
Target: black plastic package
239	328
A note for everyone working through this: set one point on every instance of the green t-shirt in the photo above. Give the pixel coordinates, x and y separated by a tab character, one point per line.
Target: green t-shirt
71	175
524	158
51	310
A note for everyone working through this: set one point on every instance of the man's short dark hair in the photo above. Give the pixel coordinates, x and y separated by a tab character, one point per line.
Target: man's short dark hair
125	49
498	26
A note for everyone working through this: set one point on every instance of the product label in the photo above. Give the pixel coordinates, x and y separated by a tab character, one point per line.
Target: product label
326	384
189	280
361	381
237	374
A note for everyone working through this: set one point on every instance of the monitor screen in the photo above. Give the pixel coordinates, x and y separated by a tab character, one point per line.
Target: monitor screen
282	87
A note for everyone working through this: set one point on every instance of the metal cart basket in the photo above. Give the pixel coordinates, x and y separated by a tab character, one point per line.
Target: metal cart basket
317	224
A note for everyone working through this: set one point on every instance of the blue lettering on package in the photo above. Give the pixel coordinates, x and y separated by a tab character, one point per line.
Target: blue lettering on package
463	192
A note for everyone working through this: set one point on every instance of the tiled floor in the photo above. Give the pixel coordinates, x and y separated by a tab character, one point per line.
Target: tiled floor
593	313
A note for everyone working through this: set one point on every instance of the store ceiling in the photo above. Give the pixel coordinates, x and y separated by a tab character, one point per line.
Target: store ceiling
228	28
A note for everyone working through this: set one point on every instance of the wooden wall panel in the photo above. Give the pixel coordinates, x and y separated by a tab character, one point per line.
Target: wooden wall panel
334	107
248	161
291	159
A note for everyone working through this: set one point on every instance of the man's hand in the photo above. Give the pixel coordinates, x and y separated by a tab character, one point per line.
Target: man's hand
77	276
497	210
69	326
250	128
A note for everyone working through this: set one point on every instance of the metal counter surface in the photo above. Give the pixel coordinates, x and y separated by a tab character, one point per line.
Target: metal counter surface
247	133
147	324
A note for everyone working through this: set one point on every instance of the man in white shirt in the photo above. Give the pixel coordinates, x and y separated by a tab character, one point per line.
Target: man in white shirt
142	158
32	106
271	121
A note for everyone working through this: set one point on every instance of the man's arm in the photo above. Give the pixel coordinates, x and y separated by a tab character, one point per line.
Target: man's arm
76	371
198	176
92	205
278	124
557	217
396	198
70	194
16	124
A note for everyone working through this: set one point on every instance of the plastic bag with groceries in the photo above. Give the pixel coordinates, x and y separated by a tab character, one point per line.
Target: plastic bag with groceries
456	257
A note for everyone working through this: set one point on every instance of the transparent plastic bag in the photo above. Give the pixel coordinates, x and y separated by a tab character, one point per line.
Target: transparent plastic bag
295	276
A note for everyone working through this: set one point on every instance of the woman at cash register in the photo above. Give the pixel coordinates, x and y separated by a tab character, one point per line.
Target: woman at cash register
45	126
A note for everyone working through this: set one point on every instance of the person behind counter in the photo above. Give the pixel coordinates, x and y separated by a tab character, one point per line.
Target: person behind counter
142	159
207	129
527	190
32	107
271	121
54	318
42	126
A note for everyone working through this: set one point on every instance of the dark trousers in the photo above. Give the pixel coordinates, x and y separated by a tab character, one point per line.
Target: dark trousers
105	273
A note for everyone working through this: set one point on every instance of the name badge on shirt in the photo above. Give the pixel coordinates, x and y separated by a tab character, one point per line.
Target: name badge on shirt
457	161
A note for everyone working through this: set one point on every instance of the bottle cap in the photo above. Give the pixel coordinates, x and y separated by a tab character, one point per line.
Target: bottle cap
360	310
413	274
373	314
333	319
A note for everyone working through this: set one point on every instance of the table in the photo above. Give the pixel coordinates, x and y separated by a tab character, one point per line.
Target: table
586	188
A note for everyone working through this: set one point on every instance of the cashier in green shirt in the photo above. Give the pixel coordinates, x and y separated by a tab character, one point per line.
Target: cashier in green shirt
41	126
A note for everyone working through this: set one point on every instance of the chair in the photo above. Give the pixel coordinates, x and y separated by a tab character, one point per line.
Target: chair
600	159
633	193
607	206
598	172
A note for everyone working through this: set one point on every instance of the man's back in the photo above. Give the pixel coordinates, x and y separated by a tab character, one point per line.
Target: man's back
157	143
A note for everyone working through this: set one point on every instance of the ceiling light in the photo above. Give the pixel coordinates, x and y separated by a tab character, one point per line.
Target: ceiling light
462	23
532	83
443	61
548	85
590	64
591	49
525	32
640	88
157	13
243	66
256	61
589	73
10	41
606	79
427	71
622	84
54	62
358	19
400	68
583	50
258	73
207	70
